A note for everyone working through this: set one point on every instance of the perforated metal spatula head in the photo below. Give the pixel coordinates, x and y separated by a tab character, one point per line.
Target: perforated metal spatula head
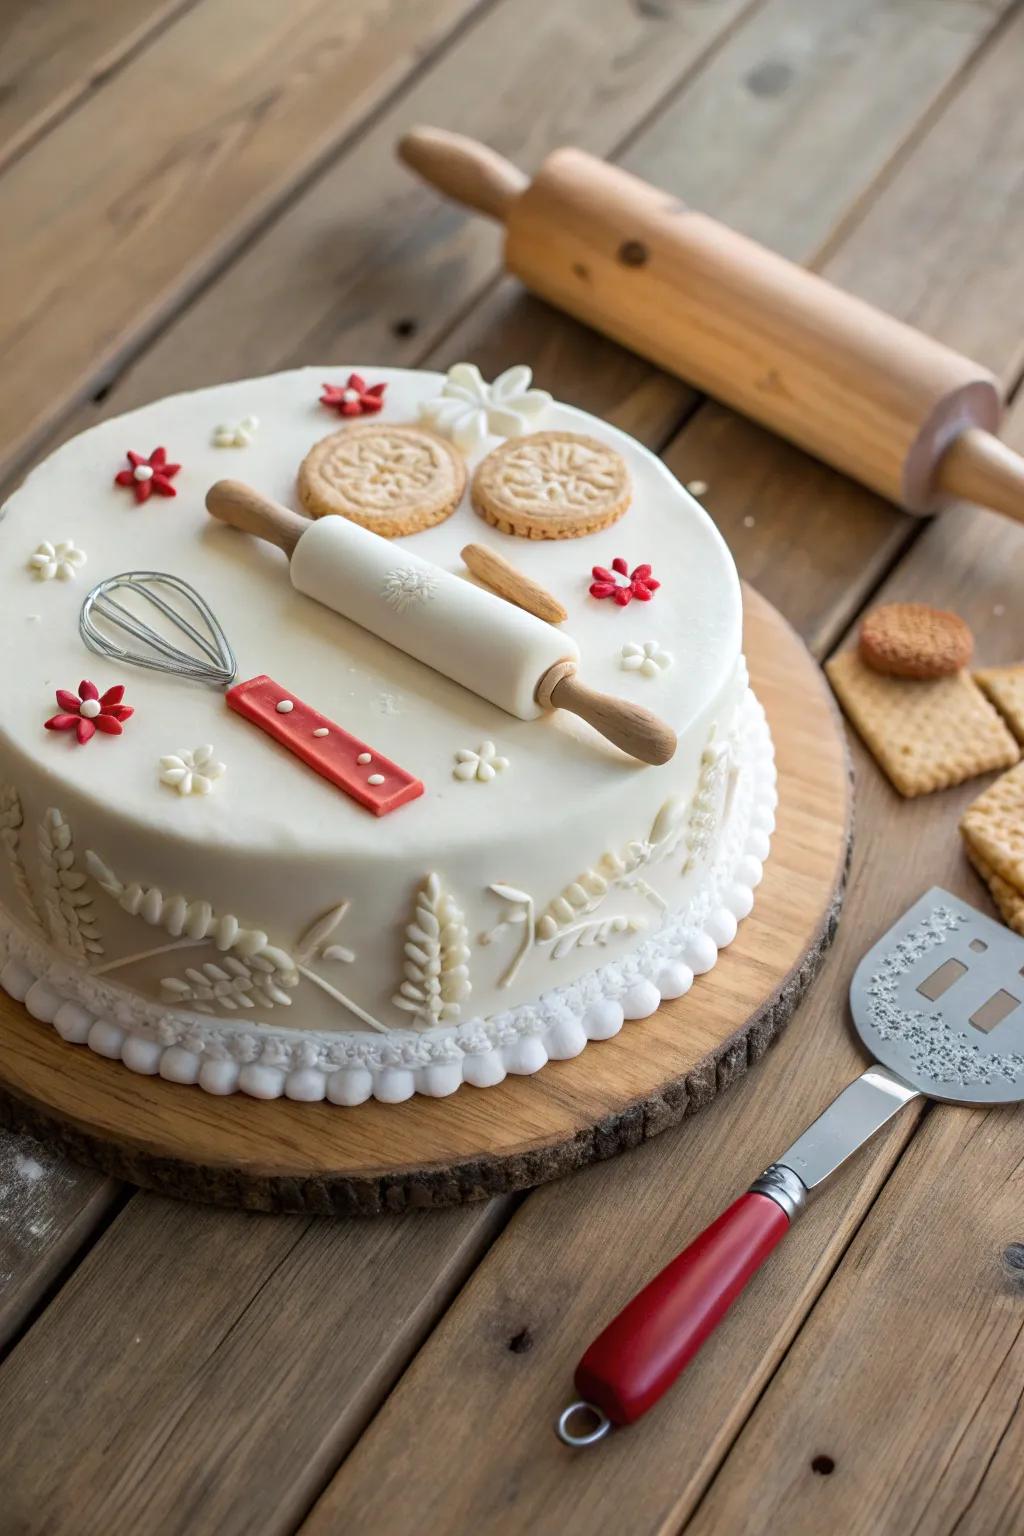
939	1000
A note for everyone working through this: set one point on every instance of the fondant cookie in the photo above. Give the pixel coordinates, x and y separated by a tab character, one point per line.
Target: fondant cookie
914	640
394	480
552	485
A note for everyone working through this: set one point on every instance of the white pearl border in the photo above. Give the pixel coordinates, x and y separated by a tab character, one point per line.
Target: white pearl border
520	1042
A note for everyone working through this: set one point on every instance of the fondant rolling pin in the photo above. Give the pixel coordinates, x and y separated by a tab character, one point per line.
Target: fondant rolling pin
876	399
491	647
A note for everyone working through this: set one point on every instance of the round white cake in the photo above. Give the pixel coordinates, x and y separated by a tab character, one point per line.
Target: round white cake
190	893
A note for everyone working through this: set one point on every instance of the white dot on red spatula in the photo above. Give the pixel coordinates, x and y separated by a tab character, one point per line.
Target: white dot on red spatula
285	707
321	730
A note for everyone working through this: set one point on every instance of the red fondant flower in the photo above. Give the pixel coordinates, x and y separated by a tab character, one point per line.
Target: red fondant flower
356	398
149	475
90	712
638	583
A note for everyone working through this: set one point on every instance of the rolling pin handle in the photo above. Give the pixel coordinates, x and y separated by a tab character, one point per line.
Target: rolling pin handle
979	468
232	502
636	730
464	170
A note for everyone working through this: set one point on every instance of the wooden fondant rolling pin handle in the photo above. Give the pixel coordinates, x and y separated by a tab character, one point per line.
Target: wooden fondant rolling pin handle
497	650
873	397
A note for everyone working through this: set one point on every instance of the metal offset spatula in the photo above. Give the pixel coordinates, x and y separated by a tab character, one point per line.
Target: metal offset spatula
939	1002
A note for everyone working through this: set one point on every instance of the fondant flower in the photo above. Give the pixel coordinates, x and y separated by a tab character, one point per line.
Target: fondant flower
148	475
468	408
90	712
60	560
354	398
638	582
482	764
236	434
648	658
190	773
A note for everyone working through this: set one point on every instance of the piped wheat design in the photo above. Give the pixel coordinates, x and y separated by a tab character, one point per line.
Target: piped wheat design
11	820
436	967
70	913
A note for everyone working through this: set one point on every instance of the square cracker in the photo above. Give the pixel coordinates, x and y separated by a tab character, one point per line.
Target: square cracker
994	826
1007	898
1005	687
924	735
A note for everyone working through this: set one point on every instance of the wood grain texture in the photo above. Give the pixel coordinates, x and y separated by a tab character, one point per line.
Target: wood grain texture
430	1152
368	262
235	114
203	1371
52	53
47	1212
931	1448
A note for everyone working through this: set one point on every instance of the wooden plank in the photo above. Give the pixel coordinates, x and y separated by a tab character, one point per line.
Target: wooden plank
227	117
205	1370
368	263
47	1211
921	1425
52	53
531	1480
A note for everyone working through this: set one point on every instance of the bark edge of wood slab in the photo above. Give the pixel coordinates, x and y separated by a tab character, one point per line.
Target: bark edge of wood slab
772	340
636	730
428	1153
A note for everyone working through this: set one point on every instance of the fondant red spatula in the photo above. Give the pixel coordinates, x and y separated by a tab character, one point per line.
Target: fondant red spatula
969	1050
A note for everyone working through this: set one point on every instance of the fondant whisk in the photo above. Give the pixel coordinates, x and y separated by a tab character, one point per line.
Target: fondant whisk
131	605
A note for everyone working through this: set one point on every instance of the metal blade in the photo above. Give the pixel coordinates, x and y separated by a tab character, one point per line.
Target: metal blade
860	1111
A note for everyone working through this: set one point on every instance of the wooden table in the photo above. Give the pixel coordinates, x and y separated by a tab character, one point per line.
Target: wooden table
199	189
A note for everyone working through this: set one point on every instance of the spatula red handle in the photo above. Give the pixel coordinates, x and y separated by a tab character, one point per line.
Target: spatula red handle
642	1351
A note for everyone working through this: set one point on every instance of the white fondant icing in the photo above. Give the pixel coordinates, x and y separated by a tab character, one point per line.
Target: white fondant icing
60	561
468	409
284	842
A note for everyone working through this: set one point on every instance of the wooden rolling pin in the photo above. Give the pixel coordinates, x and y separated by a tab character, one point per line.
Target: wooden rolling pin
497	650
876	399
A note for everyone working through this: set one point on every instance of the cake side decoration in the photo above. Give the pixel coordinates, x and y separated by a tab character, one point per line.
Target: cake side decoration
236	434
648	658
12	821
90	711
68	904
436	963
638	583
60	561
191	772
469	410
148	475
552	485
483	764
355	397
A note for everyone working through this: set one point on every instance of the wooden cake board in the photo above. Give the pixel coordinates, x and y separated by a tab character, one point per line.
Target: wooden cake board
321	1158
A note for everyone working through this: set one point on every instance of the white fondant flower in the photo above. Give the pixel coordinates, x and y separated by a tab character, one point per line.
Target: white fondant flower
468	408
236	434
60	560
482	764
405	585
648	659
190	773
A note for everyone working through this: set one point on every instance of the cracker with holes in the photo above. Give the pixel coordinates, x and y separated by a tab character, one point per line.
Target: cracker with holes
924	735
1008	900
1005	687
394	480
994	827
552	485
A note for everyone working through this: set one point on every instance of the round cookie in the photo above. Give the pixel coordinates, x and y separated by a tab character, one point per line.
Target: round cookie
551	485
914	640
393	480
